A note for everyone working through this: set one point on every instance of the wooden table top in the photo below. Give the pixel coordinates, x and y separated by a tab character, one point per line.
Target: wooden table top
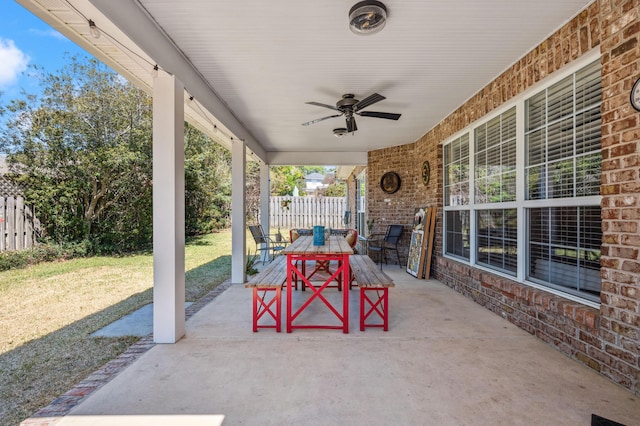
332	245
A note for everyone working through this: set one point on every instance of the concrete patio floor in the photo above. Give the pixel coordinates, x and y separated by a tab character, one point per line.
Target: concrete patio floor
444	361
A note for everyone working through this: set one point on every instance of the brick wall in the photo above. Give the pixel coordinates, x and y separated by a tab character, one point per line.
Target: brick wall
618	350
606	339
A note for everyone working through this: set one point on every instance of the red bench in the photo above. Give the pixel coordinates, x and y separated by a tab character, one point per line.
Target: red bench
270	279
371	280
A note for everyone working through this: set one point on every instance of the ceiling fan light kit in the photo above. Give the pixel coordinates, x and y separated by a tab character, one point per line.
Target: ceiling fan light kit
340	132
367	17
349	107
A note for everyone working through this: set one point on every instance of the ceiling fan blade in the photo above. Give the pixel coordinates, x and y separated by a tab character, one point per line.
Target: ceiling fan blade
322	105
387	115
351	124
369	100
320	119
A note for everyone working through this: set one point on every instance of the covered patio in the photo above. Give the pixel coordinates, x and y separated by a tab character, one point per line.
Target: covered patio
445	360
250	73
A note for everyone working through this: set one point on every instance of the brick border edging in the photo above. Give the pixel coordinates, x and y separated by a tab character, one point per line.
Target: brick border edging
62	405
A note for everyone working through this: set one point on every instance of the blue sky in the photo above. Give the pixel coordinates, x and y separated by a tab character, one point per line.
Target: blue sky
27	40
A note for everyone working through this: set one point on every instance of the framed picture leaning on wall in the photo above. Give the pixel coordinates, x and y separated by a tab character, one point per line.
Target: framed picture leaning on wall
414	259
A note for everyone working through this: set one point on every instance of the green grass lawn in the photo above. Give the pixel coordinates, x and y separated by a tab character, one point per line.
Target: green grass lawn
48	312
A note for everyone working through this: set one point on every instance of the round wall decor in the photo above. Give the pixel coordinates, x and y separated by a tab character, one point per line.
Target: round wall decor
635	95
390	182
426	172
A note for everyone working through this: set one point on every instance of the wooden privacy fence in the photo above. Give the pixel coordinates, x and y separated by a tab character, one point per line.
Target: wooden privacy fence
17	224
304	212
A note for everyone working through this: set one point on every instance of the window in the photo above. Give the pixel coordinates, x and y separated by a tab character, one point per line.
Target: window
456	172
457	233
554	188
562	138
497	245
495	167
495	182
563	165
456	193
564	247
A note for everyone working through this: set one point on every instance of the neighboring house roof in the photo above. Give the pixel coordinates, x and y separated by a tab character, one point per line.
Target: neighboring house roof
314	176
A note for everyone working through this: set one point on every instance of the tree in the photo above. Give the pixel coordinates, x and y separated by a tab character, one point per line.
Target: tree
82	151
285	178
253	191
336	189
207	183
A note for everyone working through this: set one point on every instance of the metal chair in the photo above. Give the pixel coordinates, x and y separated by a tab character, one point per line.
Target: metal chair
389	242
264	243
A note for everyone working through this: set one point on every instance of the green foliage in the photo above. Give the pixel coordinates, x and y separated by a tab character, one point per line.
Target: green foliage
250	267
252	191
207	183
336	189
285	178
43	253
83	154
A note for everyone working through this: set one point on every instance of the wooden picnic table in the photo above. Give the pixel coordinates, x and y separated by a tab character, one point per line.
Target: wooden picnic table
302	250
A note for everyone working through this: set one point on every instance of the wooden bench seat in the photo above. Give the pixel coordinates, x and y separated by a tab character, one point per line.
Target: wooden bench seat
370	279
270	279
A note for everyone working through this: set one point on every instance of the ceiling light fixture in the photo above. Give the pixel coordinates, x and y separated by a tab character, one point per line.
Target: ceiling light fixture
339	132
367	17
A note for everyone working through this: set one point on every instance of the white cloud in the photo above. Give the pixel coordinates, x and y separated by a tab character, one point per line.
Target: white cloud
12	62
48	33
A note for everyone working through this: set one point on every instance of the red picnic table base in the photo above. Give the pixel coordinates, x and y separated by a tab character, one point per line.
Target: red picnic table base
302	251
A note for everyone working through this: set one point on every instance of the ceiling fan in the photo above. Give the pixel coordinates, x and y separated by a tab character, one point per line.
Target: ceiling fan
348	106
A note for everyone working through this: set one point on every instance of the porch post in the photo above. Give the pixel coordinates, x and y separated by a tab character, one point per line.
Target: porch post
238	211
264	203
168	209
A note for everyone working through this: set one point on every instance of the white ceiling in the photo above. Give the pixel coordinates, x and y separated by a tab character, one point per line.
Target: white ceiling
265	59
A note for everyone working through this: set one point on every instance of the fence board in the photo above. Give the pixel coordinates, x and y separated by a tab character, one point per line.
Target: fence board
18	225
305	212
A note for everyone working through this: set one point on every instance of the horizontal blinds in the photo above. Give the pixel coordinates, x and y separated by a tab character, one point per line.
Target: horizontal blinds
495	159
562	137
456	172
564	246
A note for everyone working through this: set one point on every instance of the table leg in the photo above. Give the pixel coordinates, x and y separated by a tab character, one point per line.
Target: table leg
289	296
345	294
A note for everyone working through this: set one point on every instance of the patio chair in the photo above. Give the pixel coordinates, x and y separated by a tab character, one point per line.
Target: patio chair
389	242
264	243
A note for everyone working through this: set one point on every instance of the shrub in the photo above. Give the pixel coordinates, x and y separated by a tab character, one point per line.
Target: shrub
46	252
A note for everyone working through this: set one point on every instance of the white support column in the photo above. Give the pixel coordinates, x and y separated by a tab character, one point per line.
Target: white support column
238	211
265	189
168	209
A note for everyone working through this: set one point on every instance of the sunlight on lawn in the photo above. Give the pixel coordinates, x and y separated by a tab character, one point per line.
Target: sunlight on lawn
44	298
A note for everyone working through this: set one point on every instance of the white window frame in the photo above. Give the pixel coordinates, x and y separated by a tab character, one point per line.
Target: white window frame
520	204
